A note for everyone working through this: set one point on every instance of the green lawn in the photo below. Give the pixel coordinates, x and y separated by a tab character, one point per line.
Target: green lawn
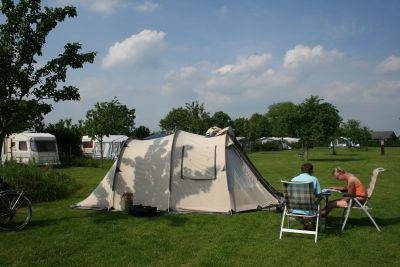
61	236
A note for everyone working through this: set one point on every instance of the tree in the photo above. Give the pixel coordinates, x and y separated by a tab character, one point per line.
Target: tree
68	136
27	89
280	116
192	118
199	118
258	126
141	132
315	120
241	126
108	118
177	118
221	119
353	129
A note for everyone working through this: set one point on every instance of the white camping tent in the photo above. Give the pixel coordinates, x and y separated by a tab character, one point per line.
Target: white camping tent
184	172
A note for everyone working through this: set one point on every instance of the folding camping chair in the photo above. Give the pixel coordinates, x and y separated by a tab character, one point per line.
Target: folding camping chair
300	196
355	202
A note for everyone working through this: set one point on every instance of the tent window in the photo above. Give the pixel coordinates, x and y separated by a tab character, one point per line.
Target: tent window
199	163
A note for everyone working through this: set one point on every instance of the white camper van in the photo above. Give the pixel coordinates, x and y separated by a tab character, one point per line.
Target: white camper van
40	148
87	146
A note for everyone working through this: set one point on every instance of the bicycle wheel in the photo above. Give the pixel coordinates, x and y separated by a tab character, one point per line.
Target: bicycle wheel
15	211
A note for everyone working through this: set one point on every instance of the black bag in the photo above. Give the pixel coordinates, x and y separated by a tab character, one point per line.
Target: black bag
142	211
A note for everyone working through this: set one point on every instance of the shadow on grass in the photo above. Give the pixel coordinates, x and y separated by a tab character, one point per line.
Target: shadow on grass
365	221
104	217
173	219
97	217
334	224
340	160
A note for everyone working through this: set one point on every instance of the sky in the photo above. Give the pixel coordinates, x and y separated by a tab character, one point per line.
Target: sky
234	56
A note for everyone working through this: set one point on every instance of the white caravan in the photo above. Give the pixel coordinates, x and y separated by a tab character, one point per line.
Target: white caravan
87	146
38	148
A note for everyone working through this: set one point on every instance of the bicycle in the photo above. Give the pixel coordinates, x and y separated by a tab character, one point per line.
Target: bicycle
15	210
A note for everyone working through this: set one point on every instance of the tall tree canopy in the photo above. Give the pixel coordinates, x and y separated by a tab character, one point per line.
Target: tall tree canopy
192	118
27	88
177	118
241	125
107	118
221	119
257	127
316	120
281	115
141	132
68	136
353	129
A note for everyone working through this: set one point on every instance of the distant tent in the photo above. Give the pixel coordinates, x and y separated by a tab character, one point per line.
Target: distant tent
343	142
184	172
278	141
154	136
111	146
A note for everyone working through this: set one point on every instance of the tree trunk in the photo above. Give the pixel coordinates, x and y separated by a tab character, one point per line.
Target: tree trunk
333	148
1	146
101	153
305	146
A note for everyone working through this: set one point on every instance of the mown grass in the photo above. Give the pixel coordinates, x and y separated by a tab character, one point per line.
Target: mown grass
61	236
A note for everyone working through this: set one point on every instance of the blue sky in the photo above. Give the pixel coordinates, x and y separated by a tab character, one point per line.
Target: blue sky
235	56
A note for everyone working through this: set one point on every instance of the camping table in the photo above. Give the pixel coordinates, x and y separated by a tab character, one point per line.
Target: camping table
326	192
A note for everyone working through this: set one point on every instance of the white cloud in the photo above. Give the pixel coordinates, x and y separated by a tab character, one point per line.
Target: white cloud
245	64
99	6
180	81
303	55
147	6
139	49
109	6
391	64
385	92
104	6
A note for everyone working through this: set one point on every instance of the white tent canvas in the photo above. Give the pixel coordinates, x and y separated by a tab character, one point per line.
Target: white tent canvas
184	172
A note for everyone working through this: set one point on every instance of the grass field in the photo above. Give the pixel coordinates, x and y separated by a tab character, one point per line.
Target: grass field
61	236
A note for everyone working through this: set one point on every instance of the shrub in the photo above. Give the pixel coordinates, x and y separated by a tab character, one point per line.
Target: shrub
39	184
267	146
69	160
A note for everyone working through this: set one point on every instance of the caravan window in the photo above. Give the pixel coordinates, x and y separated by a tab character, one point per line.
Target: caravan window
44	146
199	163
87	144
22	146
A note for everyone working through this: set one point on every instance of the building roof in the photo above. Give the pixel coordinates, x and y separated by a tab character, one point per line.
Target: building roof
383	135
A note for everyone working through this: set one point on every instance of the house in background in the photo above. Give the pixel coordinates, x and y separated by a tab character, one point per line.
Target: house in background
383	135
